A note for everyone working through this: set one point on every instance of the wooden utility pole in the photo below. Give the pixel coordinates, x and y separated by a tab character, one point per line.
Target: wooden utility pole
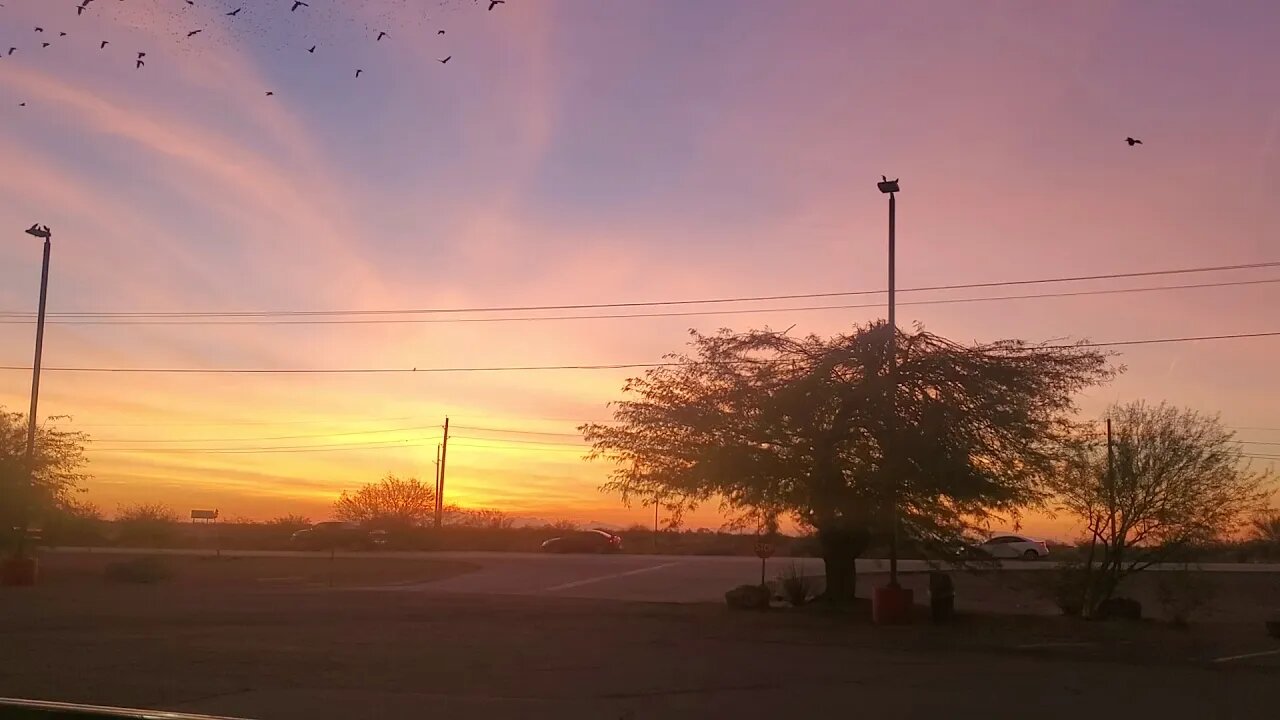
444	457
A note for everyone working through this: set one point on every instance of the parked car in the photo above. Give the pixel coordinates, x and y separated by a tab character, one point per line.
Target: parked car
584	541
1011	546
339	536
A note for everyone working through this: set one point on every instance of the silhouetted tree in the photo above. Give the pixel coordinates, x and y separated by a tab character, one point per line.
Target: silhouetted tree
58	471
774	425
1178	480
1266	527
289	523
391	501
149	524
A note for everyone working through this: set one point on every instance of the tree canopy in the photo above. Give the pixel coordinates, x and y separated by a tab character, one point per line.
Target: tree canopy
57	472
762	421
390	501
1176	478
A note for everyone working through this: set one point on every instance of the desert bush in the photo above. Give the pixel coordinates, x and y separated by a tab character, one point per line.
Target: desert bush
146	524
796	588
289	523
146	570
748	597
74	524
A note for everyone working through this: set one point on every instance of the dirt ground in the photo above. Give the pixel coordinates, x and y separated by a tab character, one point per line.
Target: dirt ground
222	642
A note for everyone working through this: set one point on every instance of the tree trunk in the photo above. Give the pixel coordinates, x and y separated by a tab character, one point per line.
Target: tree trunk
841	547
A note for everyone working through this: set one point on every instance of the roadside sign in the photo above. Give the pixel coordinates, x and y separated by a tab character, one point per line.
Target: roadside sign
764	550
204	514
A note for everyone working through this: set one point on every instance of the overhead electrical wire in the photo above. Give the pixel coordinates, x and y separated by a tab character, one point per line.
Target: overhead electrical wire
652	303
624	316
594	366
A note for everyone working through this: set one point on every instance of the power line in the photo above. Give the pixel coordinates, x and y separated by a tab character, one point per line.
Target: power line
522	442
652	303
321	447
517	432
166	423
538	368
517	449
275	437
626	316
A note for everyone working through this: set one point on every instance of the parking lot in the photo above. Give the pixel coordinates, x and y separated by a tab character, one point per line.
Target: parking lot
271	638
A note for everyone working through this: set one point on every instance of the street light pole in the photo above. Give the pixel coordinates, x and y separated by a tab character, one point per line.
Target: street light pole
891	188
42	232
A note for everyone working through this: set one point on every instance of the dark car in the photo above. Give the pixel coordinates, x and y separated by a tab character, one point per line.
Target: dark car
584	541
338	536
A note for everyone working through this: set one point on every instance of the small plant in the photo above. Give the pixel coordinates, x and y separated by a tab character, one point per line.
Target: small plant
796	588
138	571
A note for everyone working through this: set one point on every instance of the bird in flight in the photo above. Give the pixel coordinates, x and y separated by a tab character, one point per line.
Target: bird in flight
193	33
141	55
496	2
39	29
104	44
269	93
44	45
12	50
235	12
446	60
312	50
1132	141
140	64
381	34
297	4
62	34
439	32
81	8
22	104
358	71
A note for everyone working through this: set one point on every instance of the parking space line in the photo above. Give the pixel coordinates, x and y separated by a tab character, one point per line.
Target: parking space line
610	576
1245	656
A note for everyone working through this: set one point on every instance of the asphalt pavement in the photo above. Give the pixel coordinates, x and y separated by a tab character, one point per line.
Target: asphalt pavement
646	578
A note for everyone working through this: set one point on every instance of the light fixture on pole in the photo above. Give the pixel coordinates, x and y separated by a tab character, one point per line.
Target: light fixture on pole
891	604
20	569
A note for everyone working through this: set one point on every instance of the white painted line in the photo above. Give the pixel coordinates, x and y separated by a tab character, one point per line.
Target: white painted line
1245	656
611	576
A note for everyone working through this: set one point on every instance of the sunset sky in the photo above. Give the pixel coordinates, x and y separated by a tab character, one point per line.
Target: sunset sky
587	151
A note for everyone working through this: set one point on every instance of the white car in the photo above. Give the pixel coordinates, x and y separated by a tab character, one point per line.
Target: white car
1009	545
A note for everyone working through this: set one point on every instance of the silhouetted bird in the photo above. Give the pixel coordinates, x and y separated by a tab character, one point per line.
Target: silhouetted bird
358	72
193	33
39	29
80	9
44	45
446	60
22	104
269	93
62	34
141	55
1132	141
297	4
496	2
439	32
104	44
312	50
140	64
12	50
235	12
381	34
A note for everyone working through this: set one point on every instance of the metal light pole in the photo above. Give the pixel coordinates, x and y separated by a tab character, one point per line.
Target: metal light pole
890	187
40	231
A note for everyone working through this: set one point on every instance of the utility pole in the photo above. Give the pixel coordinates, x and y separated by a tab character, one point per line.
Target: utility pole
444	456
29	458
891	188
437	474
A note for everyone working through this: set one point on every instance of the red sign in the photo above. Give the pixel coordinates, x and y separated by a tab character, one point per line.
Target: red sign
764	550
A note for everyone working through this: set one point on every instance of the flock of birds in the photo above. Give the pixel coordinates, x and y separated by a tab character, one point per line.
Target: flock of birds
294	6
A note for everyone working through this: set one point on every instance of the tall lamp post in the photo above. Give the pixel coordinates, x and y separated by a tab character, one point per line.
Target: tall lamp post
892	603
20	569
